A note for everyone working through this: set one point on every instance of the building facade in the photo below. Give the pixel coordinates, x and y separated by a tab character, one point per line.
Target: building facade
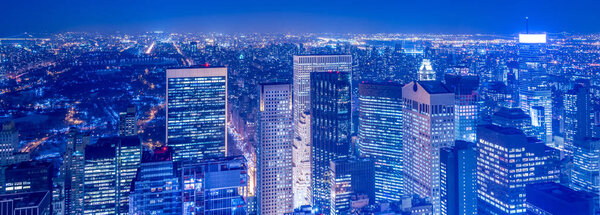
507	161
380	136
466	108
303	66
274	149
128	122
350	177
330	94
196	112
458	179
215	186
428	127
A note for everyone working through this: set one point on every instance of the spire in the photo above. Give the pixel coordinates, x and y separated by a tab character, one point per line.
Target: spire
527	25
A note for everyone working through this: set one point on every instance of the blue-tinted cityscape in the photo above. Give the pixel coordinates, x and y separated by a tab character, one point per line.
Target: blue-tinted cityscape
446	120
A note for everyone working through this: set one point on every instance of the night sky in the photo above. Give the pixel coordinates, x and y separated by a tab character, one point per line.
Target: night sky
367	16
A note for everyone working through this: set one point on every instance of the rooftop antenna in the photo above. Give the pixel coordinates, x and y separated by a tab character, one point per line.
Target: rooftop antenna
527	24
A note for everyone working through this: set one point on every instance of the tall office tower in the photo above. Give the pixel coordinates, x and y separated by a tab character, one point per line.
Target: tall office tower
303	67
426	72
533	80
274	149
71	176
466	101
100	183
196	112
34	203
350	177
156	188
110	166
458	179
128	122
586	165
428	127
215	186
513	118
331	126
578	114
380	136
29	176
553	198
507	161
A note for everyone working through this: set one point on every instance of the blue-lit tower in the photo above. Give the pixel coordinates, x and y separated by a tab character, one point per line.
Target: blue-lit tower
466	101
331	127
196	112
507	161
458	179
380	136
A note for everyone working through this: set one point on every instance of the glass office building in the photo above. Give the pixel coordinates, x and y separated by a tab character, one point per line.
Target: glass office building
304	65
466	101
458	179
156	188
350	178
507	161
196	112
215	186
380	136
331	126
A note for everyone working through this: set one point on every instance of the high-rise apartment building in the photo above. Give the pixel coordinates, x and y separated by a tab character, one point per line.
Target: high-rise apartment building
380	136
428	121
274	149
196	112
507	161
304	65
331	126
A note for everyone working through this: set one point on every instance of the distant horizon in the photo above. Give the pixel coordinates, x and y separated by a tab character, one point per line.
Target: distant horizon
498	17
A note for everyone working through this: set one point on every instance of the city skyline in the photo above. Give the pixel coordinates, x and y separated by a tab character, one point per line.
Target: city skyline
169	121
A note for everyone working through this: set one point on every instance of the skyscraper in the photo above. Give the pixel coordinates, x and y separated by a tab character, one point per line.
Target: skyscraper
72	172
380	136
426	72
303	67
274	149
156	188
128	122
507	161
533	81
428	127
578	114
466	100
196	112
31	203
458	179
586	165
350	177
215	186
331	126
110	166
